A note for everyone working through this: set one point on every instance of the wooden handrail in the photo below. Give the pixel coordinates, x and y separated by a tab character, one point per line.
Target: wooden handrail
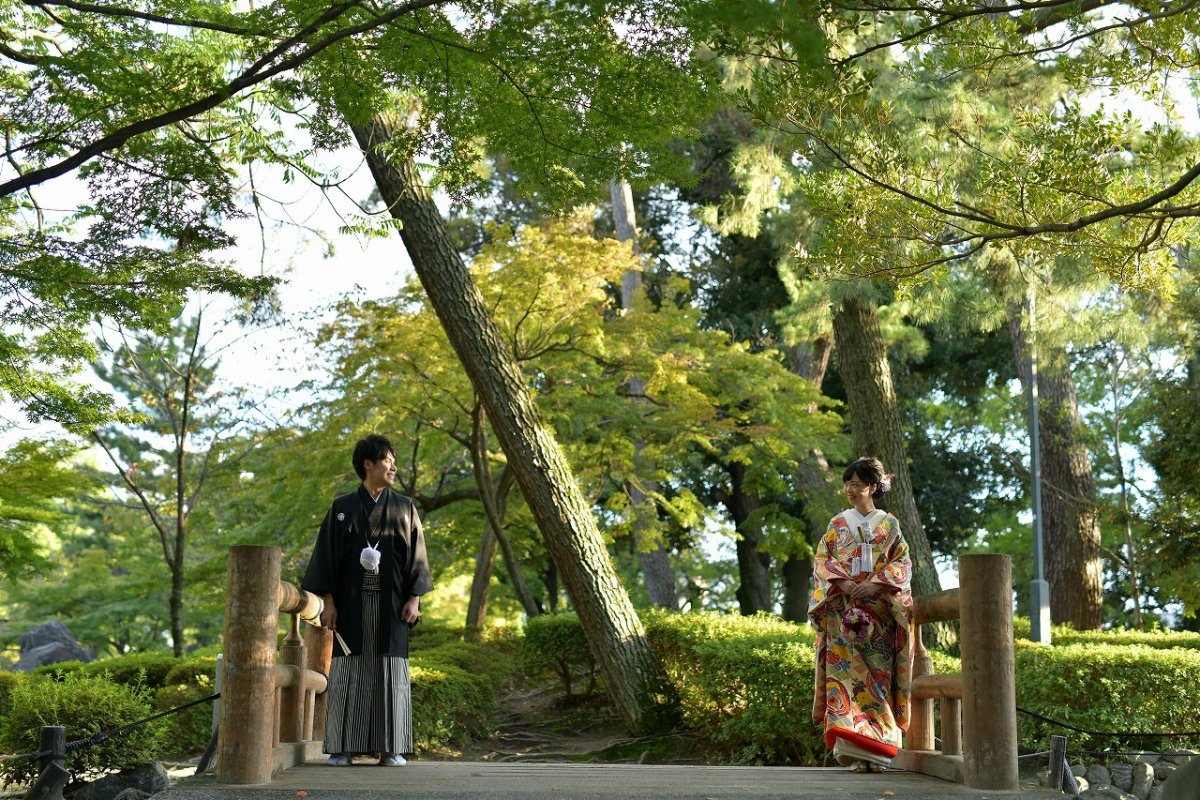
978	705
269	711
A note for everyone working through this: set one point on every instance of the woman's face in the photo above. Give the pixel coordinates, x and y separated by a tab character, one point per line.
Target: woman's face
858	492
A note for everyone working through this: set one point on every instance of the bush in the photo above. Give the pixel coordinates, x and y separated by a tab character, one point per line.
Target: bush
8	682
85	705
454	688
744	683
1064	634
148	669
1099	687
188	731
555	644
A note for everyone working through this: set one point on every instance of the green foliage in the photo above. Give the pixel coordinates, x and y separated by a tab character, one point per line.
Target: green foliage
745	683
555	643
1158	639
8	682
34	478
84	705
454	688
1108	688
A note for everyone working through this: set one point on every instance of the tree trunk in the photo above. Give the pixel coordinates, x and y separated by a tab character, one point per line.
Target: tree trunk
481	583
875	426
654	558
1070	517
754	568
810	361
636	680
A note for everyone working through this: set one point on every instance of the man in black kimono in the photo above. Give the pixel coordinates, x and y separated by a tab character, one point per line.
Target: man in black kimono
369	564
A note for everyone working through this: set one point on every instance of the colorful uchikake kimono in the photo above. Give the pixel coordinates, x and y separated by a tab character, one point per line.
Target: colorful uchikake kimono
864	648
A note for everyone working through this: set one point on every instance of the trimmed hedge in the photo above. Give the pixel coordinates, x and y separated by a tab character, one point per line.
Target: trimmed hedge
454	684
1105	688
1064	634
745	683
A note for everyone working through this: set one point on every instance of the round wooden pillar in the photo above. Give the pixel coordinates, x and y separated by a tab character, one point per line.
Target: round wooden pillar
245	746
318	644
989	704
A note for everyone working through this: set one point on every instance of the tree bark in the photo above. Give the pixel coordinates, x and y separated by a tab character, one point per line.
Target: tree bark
1070	515
754	568
875	425
654	558
636	680
810	361
481	583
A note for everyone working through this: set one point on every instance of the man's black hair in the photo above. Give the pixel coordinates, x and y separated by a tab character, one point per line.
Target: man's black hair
371	448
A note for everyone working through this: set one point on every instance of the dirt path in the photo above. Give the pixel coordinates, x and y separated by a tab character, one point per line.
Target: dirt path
534	724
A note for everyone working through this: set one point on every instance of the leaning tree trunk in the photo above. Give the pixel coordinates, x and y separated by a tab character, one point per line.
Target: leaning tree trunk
754	566
875	425
655	561
1070	516
810	361
636	680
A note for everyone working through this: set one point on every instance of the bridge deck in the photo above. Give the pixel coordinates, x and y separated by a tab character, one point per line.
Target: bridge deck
451	780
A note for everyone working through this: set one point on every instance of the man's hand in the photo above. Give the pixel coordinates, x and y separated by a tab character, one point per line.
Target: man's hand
410	612
329	614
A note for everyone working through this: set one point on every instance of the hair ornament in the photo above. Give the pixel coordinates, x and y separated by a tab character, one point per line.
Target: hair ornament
885	485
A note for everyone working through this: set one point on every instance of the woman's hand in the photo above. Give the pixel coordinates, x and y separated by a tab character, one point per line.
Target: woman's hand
867	589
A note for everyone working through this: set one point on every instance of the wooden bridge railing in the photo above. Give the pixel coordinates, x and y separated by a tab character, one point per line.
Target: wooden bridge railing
978	705
272	712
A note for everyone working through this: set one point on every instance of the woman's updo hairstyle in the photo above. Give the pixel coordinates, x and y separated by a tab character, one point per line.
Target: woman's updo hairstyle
869	470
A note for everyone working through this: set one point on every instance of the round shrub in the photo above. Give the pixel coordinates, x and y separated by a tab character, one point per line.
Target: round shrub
186	733
555	643
85	706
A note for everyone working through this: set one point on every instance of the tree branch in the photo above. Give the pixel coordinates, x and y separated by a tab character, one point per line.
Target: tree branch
255	74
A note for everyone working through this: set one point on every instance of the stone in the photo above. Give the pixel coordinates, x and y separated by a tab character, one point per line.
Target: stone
1097	775
1163	770
49	643
1078	770
1184	783
1143	780
1106	792
1081	784
150	779
1122	776
1156	792
1179	757
1147	758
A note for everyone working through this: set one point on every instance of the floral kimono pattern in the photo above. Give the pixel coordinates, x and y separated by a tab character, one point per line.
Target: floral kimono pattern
864	648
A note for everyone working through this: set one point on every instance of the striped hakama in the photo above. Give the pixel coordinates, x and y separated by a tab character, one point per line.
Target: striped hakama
370	700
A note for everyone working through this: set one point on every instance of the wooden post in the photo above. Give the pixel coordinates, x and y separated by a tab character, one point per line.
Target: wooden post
1058	761
989	705
951	726
251	624
920	720
319	646
54	740
291	697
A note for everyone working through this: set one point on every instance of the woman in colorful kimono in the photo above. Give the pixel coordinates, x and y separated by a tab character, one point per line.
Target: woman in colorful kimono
861	607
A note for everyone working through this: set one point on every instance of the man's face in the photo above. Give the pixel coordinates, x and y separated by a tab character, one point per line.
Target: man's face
382	472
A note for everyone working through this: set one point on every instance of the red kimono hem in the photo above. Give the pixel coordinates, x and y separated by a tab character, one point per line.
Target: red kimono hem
866	743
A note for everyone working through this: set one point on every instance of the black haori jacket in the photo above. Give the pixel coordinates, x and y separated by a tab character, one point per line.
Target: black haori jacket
404	569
